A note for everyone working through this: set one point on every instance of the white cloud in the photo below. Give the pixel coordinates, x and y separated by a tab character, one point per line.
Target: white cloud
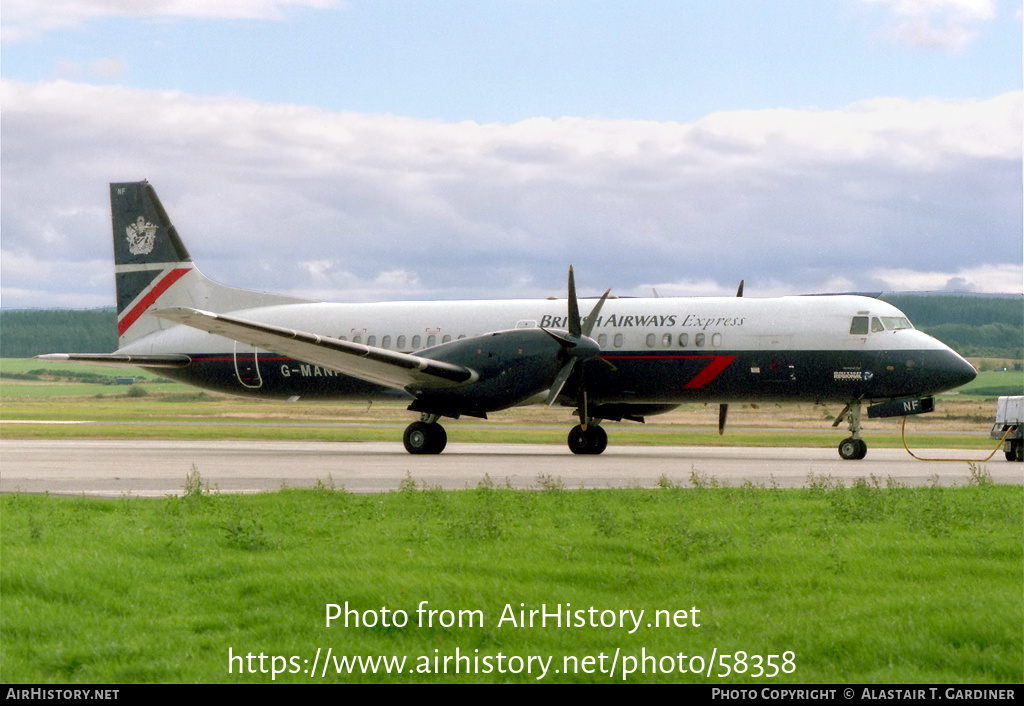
943	24
298	199
1006	277
28	19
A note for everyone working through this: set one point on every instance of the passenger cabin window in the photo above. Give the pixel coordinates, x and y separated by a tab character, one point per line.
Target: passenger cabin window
650	340
385	342
859	326
698	340
684	340
401	342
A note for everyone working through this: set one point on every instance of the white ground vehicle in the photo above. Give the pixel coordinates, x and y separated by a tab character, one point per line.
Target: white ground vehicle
1010	413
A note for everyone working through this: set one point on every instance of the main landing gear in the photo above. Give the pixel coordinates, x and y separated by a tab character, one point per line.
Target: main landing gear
590	440
428	437
425	436
853	447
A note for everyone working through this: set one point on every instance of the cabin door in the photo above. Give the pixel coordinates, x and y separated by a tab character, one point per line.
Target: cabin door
247	366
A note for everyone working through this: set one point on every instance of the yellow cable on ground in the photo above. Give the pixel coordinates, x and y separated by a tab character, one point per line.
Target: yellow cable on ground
903	434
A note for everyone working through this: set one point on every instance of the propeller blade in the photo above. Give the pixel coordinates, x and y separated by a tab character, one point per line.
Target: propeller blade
562	340
575	328
739	292
723	412
559	383
591	321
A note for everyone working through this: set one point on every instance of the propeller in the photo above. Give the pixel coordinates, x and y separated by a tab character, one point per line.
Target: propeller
577	347
723	409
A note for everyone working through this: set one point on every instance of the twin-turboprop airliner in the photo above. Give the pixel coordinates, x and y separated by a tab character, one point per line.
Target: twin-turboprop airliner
621	359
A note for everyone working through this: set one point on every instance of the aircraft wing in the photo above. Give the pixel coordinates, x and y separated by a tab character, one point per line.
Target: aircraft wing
120	360
377	365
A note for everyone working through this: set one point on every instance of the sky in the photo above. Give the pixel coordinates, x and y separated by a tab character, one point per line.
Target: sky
364	150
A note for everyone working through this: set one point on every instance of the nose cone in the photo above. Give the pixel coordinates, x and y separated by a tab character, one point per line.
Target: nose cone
955	371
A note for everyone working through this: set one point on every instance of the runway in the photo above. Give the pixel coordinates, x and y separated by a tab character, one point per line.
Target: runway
153	468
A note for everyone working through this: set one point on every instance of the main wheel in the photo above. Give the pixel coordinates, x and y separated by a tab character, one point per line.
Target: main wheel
592	440
851	449
423	438
1016	452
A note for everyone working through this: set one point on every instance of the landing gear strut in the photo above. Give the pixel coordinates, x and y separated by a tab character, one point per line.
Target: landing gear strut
591	440
425	436
853	447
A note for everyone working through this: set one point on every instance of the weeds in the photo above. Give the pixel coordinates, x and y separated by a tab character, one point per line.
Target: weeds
35	530
701	480
665	482
549	483
195	489
407	484
979	475
328	487
246	533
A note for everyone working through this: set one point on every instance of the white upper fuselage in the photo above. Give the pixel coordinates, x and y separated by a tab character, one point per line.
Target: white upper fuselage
656	324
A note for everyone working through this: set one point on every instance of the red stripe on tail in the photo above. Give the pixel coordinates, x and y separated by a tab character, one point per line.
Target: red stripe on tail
147	301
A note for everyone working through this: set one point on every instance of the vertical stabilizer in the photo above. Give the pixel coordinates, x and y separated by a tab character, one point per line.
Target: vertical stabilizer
151	265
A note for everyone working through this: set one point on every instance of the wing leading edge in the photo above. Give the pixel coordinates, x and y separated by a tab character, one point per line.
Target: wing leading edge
377	365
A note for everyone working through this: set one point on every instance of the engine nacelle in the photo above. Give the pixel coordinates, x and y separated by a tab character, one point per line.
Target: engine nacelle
512	366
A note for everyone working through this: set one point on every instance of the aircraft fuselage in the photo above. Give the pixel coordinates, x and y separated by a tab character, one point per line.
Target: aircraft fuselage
665	350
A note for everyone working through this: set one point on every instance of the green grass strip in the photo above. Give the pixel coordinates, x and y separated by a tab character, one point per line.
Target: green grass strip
861	584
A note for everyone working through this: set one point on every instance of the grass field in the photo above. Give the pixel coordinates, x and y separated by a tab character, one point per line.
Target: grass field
868	584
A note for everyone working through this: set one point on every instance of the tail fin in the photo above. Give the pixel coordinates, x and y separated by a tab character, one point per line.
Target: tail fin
151	263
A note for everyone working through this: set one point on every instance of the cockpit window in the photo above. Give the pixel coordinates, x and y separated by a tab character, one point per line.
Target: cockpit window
876	325
895	323
859	326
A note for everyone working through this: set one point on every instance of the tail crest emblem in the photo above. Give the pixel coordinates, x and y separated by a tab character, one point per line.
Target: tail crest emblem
141	236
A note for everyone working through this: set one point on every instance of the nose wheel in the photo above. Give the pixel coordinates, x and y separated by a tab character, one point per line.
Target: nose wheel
853	449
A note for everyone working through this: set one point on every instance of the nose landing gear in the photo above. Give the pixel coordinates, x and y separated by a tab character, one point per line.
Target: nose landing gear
853	447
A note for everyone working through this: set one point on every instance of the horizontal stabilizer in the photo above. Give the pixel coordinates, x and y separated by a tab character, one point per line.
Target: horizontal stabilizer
378	365
170	360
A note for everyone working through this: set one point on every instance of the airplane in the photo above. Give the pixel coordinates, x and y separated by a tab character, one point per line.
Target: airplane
626	359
